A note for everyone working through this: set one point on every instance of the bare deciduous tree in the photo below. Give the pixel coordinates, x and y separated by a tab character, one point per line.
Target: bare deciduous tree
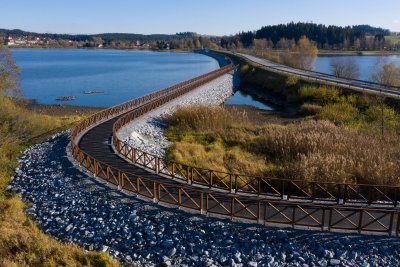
285	43
9	73
261	44
345	68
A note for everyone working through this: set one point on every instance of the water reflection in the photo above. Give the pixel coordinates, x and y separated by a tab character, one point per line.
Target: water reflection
243	98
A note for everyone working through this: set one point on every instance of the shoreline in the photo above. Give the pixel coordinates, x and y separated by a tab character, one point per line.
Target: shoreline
332	53
104	48
321	52
147	132
65	110
55	109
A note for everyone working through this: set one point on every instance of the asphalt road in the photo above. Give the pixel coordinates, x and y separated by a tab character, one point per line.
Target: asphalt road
320	77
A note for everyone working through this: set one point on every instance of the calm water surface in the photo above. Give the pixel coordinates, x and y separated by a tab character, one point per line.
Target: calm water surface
122	75
242	98
367	64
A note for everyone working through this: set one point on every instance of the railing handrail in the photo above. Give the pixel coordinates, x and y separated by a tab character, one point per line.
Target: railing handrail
342	188
244	203
126	106
262	200
233	206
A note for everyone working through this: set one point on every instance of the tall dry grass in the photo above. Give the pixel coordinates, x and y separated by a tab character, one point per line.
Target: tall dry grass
21	123
322	151
200	139
21	241
215	138
205	118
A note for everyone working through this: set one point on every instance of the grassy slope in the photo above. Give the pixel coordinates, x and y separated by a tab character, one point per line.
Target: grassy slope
22	243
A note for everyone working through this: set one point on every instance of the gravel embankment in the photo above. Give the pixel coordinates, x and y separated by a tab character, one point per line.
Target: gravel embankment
73	207
146	132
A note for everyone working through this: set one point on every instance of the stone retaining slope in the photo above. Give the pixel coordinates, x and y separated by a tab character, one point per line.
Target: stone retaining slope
146	133
73	207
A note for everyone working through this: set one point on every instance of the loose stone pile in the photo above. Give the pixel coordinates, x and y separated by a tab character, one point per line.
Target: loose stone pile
146	132
74	207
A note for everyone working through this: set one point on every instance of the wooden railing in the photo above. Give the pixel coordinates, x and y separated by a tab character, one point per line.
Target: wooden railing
270	212
284	189
217	202
129	105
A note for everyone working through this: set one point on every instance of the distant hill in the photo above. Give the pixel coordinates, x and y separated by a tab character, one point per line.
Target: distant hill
105	36
133	37
187	41
55	36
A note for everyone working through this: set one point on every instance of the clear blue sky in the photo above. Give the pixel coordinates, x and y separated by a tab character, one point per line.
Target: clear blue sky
217	17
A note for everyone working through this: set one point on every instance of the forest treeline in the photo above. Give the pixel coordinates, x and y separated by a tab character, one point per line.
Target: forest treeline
182	40
327	37
282	36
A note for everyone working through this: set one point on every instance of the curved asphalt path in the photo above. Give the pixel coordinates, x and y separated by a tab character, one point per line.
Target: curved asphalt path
97	143
321	77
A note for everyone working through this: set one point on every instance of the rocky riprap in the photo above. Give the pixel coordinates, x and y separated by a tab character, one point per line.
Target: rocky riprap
147	132
73	207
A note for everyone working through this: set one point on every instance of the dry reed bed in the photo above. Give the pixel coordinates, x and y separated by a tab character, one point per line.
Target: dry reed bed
322	151
227	140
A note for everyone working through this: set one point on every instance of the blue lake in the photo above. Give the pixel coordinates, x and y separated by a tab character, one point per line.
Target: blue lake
122	75
367	65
